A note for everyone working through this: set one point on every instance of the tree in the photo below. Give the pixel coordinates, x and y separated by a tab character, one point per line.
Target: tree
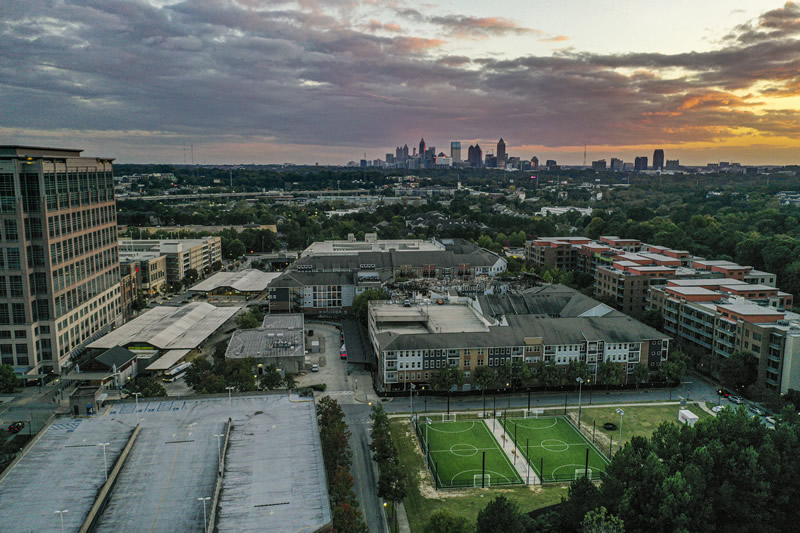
361	303
234	249
501	515
147	386
8	379
577	369
248	320
609	373
601	521
550	375
738	371
674	368
271	379
442	521
445	379
582	496
484	377
640	374
190	276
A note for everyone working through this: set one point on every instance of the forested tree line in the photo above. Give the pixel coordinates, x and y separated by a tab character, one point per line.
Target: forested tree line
727	473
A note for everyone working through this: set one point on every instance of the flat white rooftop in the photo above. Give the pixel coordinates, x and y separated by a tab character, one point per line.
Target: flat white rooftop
424	318
354	247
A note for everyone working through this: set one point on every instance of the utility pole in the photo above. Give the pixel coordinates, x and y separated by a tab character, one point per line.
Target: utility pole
584	155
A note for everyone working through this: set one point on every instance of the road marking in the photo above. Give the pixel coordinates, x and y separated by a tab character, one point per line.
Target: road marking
169	476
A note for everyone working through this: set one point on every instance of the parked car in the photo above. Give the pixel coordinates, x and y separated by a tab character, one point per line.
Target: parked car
717	408
756	410
315	368
16	427
738	400
771	420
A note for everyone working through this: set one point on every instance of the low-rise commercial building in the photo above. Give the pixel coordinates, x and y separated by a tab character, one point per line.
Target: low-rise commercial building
279	342
542	326
236	286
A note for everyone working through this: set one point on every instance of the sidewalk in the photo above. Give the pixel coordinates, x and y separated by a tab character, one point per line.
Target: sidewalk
507	444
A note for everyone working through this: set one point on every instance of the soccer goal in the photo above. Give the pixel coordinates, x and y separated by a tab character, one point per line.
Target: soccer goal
448	417
481	480
581	472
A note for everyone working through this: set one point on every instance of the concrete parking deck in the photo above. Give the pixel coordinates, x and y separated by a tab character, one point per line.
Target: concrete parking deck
274	477
62	471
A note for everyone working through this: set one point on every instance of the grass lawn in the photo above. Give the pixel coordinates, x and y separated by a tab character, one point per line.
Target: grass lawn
554	444
423	500
638	421
457	449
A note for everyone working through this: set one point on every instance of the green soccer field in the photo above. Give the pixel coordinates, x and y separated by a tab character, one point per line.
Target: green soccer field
457	448
554	445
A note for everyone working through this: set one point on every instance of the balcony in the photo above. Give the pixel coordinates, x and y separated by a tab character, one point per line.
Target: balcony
776	346
774	358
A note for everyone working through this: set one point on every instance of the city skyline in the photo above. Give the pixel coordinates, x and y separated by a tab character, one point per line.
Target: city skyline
306	82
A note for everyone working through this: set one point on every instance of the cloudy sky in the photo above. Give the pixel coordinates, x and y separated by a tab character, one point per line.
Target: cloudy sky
327	80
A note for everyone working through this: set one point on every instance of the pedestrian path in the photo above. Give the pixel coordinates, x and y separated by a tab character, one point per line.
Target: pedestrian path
515	456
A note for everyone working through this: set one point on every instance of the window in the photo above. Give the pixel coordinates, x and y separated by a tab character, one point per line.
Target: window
13	258
18	313
20	334
12	232
15	286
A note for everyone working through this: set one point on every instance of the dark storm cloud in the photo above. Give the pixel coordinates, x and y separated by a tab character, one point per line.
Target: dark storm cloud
311	73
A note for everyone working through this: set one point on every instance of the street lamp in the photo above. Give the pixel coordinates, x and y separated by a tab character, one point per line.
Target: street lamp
580	388
230	400
219	452
621	413
136	395
61	515
105	465
509	396
204	500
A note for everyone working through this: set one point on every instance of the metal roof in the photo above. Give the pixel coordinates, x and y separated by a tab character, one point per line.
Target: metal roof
167	361
168	328
250	280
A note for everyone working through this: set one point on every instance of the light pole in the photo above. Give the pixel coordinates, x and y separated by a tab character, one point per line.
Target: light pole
509	396
105	465
621	413
219	448
411	398
204	500
580	387
136	395
61	515
230	399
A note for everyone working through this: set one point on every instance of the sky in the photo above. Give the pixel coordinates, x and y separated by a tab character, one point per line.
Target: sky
306	81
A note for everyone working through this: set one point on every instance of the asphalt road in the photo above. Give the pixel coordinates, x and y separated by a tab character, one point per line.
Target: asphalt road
694	387
364	468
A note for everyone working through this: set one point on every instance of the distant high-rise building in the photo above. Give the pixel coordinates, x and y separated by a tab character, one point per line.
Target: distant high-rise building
475	156
599	165
640	163
535	163
501	153
60	285
551	164
673	164
478	155
455	151
422	147
398	154
490	161
658	159
405	152
390	158
616	165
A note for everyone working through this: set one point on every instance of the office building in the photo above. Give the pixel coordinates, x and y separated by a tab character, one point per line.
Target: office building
544	325
673	164
455	151
599	166
502	157
640	163
181	254
534	163
658	159
279	342
616	165
422	148
475	156
59	260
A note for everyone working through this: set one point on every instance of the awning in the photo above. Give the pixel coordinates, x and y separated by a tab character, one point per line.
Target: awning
167	361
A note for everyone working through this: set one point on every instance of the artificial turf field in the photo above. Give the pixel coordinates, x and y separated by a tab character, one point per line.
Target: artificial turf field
555	446
456	449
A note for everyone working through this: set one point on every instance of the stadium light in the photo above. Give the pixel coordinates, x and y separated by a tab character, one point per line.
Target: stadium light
61	515
204	500
105	465
621	413
580	387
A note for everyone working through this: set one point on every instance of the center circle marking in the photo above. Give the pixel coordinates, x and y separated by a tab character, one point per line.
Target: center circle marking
555	445
463	450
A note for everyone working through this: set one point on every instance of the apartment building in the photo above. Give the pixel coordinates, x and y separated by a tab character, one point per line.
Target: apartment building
59	257
546	325
725	316
329	274
150	270
625	269
181	254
